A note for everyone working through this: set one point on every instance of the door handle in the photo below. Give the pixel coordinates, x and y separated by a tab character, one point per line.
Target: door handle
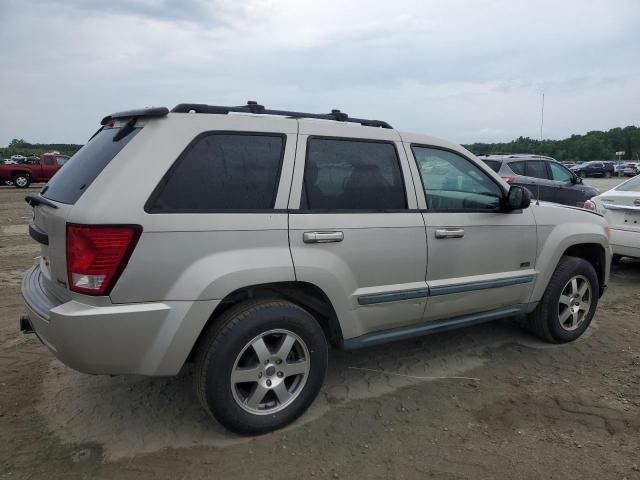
322	237
449	232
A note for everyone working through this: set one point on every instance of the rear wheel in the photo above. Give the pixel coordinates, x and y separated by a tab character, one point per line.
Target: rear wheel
21	180
568	304
260	365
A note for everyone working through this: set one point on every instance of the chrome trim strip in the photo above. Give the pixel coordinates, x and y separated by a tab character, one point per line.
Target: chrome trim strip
374	298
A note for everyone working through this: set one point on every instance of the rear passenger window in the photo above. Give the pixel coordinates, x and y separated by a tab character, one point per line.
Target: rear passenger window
537	169
352	175
519	168
222	171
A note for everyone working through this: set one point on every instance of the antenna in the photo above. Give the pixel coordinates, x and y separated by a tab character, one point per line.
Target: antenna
542	118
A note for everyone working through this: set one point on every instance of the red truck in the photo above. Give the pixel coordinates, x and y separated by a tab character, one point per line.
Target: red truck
32	171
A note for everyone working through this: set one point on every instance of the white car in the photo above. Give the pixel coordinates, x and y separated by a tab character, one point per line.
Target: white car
621	207
631	169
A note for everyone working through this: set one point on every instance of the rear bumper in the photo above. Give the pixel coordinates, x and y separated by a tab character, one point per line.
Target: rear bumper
626	243
142	338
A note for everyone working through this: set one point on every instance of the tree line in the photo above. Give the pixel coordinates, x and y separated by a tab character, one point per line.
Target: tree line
595	145
22	147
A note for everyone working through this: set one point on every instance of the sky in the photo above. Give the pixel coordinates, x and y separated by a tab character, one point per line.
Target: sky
465	71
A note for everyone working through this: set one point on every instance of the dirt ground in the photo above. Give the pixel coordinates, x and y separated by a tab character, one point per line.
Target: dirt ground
485	402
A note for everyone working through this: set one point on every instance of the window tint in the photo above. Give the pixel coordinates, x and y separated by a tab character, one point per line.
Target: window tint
559	173
48	161
632	185
493	165
222	171
452	182
519	168
537	169
83	168
352	175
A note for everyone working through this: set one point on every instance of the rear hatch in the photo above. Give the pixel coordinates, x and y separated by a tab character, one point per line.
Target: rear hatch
622	206
53	206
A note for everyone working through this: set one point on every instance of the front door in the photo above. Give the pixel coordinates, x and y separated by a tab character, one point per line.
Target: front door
354	227
479	257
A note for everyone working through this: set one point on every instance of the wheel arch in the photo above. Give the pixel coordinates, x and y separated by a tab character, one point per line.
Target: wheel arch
306	295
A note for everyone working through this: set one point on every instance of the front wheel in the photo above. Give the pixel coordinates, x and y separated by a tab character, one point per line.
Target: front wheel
21	180
260	365
568	304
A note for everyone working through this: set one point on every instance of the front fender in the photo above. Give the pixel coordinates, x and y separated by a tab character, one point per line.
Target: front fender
555	240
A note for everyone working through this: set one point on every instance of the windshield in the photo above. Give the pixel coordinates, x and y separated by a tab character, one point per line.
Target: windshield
68	185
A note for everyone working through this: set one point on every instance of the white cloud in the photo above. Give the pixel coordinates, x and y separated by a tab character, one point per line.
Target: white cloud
463	70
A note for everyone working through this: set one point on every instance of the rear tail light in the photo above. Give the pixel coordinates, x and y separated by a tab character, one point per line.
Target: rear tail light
508	179
97	254
589	205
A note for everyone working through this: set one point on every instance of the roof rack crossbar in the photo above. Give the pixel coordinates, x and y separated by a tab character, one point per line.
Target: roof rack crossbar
255	108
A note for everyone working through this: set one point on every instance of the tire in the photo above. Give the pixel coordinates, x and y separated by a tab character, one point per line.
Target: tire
615	259
21	180
545	321
607	174
227	347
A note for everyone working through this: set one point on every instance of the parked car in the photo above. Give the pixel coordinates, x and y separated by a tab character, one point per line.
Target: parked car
253	242
619	168
595	169
33	169
621	208
631	169
545	178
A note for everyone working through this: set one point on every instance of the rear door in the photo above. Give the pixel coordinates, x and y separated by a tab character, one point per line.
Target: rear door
355	230
49	166
479	258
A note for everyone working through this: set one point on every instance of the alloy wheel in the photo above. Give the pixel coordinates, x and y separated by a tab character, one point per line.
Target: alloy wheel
270	372
574	303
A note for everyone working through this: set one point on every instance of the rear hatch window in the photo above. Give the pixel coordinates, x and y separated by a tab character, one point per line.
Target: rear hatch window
68	184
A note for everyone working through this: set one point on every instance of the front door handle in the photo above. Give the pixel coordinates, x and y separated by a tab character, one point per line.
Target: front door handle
322	237
449	232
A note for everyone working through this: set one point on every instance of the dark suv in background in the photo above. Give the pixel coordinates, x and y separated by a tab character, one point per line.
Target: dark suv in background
596	169
546	178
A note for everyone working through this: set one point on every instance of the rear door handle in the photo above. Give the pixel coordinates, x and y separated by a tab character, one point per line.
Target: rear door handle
449	232
322	237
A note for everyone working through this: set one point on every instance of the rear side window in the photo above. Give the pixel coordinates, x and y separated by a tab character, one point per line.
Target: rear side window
222	171
345	174
519	168
537	169
69	183
493	165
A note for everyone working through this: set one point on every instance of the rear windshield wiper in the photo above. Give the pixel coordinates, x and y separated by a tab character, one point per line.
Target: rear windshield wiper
126	129
34	199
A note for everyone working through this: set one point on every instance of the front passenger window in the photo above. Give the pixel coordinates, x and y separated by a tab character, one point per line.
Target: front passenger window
559	173
453	183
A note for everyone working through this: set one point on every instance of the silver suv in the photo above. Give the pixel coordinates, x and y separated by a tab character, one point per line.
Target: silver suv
248	240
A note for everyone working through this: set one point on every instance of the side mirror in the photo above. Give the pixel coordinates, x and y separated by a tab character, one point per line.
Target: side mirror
518	198
578	180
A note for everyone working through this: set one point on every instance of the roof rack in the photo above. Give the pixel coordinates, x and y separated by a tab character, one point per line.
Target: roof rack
255	108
